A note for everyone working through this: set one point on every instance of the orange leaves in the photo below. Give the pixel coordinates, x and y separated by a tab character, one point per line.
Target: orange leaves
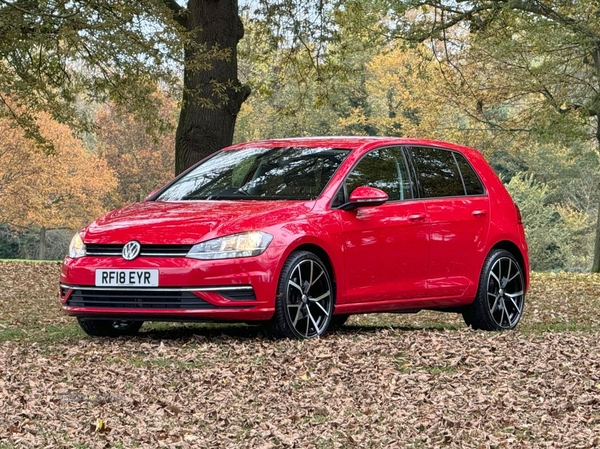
141	162
402	96
74	184
62	189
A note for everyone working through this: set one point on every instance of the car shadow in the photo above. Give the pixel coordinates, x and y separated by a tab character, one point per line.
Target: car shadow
242	332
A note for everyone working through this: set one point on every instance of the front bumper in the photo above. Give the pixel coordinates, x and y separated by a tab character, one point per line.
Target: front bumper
189	290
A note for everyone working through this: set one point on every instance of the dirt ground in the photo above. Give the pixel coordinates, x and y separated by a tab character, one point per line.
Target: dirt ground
408	381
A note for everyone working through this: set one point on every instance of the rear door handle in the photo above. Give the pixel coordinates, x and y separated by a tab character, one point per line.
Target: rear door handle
416	217
479	213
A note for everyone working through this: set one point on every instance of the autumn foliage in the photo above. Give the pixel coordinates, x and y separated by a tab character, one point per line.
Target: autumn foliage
76	182
141	160
65	188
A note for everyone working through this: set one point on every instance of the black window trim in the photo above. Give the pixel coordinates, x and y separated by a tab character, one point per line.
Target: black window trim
406	148
462	178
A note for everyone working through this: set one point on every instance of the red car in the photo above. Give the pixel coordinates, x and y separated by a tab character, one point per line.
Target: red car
300	234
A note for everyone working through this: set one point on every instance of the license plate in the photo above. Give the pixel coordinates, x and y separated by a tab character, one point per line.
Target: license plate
126	278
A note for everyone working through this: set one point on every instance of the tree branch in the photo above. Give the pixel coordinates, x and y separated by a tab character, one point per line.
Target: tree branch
455	15
15	5
180	14
539	8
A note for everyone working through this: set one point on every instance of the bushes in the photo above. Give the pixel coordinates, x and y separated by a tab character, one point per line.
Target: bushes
559	236
24	243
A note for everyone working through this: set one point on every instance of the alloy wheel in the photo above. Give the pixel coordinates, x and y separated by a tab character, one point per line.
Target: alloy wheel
309	298
505	292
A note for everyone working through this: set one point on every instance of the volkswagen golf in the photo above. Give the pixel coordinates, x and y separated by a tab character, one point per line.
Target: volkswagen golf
300	233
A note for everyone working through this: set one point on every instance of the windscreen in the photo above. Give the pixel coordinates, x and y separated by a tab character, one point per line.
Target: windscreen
257	173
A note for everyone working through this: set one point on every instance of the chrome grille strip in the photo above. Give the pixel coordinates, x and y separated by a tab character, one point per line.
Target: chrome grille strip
109	250
103	254
150	254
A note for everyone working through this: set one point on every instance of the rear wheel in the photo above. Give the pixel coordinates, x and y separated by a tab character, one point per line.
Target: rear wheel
501	295
304	303
109	328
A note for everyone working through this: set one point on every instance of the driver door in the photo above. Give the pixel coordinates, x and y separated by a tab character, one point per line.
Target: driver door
385	247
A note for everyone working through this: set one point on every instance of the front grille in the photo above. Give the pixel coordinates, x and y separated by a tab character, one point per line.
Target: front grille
143	299
94	249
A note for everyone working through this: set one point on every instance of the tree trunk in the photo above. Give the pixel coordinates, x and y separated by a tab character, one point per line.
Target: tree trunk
596	263
204	128
42	244
596	259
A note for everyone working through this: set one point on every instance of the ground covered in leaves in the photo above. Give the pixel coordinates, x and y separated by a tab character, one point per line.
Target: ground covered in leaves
414	381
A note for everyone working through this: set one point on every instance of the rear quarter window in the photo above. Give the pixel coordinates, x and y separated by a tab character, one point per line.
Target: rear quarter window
473	185
438	172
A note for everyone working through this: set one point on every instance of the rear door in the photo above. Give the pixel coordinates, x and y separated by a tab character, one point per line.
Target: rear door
458	212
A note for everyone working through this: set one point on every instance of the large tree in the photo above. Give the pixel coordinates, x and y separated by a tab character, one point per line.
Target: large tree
56	55
212	93
59	54
538	59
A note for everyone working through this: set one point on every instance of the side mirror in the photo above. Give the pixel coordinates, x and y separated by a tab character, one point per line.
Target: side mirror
364	196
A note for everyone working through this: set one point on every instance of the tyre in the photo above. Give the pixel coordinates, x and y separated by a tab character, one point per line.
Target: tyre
304	302
501	294
109	328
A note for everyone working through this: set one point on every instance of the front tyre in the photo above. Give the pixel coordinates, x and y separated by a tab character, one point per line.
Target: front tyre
501	294
109	328
304	302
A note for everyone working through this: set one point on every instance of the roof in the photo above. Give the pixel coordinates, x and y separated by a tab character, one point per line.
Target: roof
348	142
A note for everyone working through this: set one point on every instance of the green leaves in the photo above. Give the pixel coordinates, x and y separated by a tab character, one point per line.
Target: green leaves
55	54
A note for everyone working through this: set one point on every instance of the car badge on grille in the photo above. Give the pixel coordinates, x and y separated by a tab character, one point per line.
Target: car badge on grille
131	250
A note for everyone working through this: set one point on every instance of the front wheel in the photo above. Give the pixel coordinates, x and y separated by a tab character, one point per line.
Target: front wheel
501	295
109	328
304	303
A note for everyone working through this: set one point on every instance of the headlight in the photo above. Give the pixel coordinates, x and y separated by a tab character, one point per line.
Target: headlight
238	245
77	247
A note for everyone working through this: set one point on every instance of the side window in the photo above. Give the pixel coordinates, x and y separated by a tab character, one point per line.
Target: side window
385	169
473	185
438	172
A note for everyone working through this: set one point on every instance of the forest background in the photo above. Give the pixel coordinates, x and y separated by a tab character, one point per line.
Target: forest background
517	80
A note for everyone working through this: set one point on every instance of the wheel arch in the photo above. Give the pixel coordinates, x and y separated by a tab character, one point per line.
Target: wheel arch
509	246
322	254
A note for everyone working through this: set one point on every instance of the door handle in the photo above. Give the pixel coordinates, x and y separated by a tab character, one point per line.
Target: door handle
416	217
479	213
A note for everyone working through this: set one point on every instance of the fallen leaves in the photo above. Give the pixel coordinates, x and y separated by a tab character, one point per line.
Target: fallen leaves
508	390
100	426
384	381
